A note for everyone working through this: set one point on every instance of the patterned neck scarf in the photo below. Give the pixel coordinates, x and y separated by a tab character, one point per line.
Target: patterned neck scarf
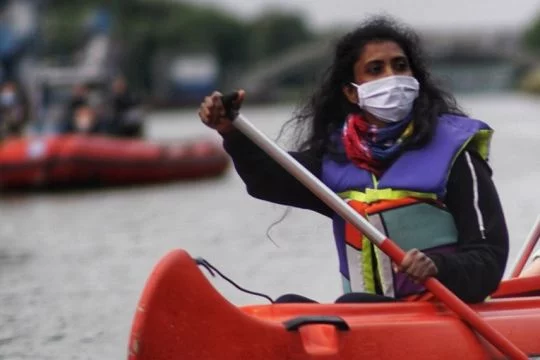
373	148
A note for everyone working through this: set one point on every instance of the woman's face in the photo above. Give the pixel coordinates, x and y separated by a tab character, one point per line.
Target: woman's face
378	59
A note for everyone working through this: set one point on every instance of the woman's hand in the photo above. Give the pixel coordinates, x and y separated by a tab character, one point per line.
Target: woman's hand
212	111
418	266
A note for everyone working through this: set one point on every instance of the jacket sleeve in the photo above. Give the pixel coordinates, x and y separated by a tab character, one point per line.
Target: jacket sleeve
265	179
475	270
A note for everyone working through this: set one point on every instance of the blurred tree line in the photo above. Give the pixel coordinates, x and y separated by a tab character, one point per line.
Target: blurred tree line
532	35
143	27
530	81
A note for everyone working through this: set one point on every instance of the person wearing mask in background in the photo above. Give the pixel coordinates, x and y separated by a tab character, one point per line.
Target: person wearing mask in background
398	149
13	110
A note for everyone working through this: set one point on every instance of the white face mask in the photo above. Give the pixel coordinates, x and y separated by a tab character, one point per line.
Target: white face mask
390	99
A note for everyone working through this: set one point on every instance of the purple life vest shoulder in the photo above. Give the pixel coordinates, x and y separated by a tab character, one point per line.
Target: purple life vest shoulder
421	170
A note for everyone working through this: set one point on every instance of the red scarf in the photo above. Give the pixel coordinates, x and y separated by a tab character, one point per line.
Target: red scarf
370	147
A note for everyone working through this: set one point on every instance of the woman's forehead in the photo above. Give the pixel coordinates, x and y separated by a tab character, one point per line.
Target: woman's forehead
380	49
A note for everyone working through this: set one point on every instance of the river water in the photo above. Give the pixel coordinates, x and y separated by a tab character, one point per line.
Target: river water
72	265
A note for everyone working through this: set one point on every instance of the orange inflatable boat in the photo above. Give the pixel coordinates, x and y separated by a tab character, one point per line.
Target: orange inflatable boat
76	160
181	316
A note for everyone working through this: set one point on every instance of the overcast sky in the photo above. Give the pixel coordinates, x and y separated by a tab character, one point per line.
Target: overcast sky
443	14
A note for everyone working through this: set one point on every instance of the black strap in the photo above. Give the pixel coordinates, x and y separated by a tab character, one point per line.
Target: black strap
231	111
211	269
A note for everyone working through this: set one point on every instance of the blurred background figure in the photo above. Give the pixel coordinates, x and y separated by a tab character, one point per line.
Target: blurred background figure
79	97
126	110
84	120
13	110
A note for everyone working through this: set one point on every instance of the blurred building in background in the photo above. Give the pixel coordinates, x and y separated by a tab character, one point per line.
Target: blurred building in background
183	78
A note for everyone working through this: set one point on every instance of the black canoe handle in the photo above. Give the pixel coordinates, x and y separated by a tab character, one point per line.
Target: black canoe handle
231	111
295	323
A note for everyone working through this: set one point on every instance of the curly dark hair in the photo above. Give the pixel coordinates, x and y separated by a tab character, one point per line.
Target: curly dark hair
326	109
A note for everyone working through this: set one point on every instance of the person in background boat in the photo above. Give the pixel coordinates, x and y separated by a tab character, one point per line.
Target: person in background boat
385	137
127	111
79	96
84	121
534	268
13	110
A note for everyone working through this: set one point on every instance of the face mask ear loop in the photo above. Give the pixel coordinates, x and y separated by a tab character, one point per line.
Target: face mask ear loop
360	101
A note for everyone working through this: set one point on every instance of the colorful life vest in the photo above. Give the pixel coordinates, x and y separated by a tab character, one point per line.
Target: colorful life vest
405	203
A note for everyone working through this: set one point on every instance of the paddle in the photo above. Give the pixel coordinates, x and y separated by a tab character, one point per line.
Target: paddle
381	241
527	249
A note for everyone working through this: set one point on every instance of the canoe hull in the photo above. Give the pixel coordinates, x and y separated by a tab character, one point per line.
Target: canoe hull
196	322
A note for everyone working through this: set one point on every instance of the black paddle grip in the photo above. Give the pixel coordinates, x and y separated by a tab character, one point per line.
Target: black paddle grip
231	109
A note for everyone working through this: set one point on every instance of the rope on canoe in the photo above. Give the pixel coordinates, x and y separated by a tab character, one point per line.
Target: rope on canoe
211	269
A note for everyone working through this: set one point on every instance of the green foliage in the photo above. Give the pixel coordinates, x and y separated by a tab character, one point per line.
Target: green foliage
61	29
275	32
144	27
531	36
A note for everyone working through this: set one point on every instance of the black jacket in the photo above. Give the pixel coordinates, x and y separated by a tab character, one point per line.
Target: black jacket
472	273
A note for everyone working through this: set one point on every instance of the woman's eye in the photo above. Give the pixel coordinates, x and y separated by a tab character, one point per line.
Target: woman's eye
402	65
374	69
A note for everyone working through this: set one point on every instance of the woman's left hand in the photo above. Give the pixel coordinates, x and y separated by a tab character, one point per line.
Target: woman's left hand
418	266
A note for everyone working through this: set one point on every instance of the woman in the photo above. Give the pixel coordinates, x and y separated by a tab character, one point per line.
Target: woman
396	147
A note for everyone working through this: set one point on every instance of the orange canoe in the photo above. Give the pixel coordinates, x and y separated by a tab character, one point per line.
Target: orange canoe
181	316
77	160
